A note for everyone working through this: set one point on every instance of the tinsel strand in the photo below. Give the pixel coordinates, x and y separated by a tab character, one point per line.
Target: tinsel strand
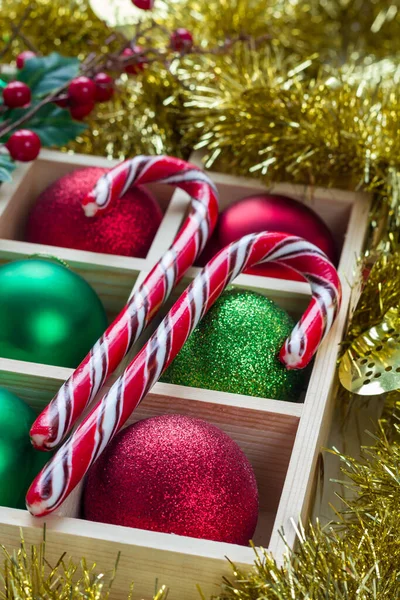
27	574
260	115
358	558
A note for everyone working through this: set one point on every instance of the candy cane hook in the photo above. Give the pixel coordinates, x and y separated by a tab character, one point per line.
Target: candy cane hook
58	418
69	465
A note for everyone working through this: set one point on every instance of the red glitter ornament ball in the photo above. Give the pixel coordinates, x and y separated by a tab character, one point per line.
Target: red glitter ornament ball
127	228
175	474
265	212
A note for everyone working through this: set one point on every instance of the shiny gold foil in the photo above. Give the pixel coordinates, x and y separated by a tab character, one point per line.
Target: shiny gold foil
380	293
372	364
371	349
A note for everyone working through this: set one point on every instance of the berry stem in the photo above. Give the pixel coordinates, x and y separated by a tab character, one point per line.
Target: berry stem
30	113
114	62
16	29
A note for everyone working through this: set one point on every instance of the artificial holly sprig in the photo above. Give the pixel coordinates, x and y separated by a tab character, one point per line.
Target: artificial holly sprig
45	99
35	96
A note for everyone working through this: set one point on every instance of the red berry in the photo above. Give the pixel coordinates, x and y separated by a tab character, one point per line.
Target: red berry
181	40
81	90
21	58
81	111
141	60
144	4
62	101
24	145
16	94
104	87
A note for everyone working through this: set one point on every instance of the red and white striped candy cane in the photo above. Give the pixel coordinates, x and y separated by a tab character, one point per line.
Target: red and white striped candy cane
69	465
58	418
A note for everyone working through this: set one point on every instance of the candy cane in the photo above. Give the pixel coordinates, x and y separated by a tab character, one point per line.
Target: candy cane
58	418
69	465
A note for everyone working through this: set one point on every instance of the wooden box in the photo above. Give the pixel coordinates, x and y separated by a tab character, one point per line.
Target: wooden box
282	440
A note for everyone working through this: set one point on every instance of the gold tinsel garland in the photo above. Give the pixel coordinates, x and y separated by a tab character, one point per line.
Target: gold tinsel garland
69	27
142	118
358	558
27	574
260	114
326	30
332	27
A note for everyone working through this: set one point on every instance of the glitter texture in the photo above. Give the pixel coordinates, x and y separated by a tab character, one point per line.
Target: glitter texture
235	347
175	474
127	228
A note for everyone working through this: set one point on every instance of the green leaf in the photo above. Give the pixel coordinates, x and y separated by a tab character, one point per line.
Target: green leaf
54	125
7	166
44	74
4	80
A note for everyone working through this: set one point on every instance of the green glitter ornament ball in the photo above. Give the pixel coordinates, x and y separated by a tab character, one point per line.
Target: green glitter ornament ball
235	349
19	461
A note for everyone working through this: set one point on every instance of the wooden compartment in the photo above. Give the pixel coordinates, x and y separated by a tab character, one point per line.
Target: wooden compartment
281	439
